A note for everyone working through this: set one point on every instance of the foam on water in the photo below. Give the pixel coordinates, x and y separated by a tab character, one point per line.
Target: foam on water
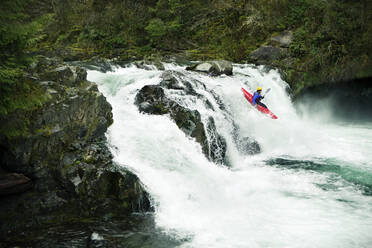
253	204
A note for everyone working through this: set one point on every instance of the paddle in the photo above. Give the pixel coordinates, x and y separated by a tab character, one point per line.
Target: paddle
267	91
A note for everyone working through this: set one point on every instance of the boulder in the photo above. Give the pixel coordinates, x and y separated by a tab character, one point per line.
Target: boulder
152	99
248	146
149	64
175	80
284	39
13	183
215	68
266	54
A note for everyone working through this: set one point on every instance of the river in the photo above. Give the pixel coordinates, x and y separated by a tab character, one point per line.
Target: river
310	186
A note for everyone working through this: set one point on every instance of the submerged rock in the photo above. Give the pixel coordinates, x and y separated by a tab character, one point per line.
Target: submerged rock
248	146
215	68
152	99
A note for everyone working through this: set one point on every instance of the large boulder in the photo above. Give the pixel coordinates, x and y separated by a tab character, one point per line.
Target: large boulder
152	99
266	54
214	68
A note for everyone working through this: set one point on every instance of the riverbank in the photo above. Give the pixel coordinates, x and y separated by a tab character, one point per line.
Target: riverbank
56	166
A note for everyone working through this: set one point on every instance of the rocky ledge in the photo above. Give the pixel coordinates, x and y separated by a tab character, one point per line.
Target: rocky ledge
59	168
213	68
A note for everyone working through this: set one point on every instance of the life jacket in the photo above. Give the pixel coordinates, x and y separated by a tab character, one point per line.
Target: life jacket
256	97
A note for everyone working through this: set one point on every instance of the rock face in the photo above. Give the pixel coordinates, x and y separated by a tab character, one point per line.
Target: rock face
214	68
64	153
152	99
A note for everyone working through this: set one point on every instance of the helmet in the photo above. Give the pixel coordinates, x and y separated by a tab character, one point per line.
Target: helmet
259	88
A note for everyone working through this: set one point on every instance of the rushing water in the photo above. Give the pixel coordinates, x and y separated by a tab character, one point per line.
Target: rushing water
311	185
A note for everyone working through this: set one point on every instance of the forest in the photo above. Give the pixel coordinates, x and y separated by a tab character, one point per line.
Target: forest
332	39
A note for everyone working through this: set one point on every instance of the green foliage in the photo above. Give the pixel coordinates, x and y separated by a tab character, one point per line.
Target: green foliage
13	34
17	93
298	47
329	36
156	29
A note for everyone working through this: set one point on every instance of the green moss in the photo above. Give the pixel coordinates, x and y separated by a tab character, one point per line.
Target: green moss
161	108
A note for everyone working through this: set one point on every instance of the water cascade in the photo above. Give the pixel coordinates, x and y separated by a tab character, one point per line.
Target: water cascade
310	184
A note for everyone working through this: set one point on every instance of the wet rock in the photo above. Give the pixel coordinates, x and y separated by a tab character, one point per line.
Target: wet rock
64	152
215	68
175	80
248	146
149	64
96	240
13	183
151	99
216	142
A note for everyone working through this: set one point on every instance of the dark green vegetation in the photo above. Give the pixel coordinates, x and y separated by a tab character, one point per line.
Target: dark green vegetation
17	92
331	38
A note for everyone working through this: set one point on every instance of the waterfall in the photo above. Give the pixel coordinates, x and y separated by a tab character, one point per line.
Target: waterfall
309	186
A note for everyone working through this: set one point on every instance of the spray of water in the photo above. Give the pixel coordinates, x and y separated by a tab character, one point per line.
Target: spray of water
298	192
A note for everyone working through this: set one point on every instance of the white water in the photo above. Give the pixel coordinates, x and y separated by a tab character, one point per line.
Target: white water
252	204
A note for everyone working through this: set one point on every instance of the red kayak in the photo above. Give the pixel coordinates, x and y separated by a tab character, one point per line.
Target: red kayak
260	108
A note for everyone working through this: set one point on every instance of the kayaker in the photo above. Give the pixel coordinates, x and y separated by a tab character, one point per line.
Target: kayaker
257	97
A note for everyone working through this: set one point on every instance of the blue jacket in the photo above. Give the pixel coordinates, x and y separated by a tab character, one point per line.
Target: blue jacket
256	98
